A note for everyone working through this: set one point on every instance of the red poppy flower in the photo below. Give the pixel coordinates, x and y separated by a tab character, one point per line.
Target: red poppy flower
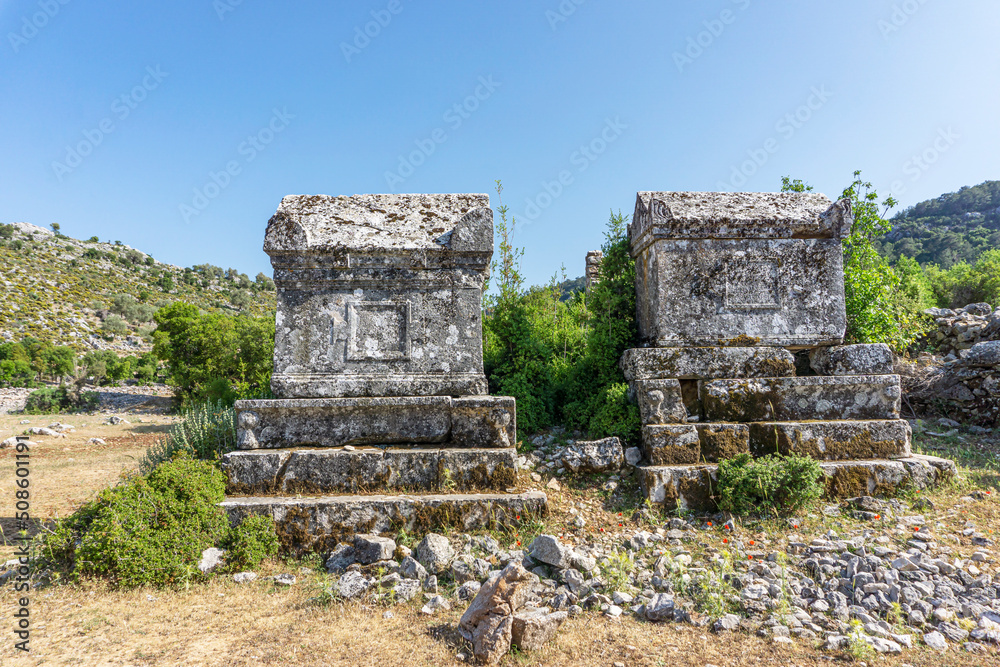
709	524
750	557
725	540
752	543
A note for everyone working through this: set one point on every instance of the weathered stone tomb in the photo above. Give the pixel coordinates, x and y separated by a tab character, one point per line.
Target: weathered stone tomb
378	370
728	287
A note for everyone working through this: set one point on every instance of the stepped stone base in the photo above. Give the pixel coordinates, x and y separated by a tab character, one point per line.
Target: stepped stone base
319	523
470	421
705	363
802	398
833	440
694	486
368	469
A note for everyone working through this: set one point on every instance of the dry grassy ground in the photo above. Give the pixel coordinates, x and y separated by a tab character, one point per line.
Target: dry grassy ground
223	623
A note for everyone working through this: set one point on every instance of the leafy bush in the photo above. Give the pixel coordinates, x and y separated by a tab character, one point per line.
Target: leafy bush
207	431
150	530
597	397
251	542
557	354
53	400
771	484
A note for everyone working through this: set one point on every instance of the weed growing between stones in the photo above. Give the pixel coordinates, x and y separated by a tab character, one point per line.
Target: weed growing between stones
857	647
618	569
773	484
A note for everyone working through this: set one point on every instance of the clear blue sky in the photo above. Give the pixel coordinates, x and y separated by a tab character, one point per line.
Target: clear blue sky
664	95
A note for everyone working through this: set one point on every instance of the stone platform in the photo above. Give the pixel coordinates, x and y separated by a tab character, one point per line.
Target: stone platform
693	486
320	522
471	421
370	468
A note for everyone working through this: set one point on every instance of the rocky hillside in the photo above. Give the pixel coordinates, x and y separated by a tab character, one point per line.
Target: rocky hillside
102	295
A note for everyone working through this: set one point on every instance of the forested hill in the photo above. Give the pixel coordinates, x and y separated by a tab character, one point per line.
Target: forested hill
955	227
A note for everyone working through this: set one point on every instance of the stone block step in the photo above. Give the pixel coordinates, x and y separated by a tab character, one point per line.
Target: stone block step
706	363
833	440
368	470
319	523
470	421
674	444
695	486
801	398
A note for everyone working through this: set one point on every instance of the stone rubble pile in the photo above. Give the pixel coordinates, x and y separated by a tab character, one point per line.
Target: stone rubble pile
893	579
966	387
960	329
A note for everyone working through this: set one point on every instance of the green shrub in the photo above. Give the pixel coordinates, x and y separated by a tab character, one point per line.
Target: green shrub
150	530
207	431
251	542
53	400
771	484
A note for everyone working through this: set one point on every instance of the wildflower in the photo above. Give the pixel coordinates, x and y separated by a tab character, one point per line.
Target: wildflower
877	517
725	540
752	543
709	524
750	557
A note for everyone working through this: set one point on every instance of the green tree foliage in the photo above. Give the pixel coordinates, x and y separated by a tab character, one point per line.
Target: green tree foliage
954	228
6	231
214	355
559	356
596	396
54	400
132	310
114	325
877	309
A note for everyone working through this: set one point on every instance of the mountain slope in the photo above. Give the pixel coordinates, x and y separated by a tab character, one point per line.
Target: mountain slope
94	295
955	227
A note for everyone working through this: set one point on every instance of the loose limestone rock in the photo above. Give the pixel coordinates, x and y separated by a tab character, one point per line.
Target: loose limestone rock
435	553
595	456
532	629
873	359
370	549
488	622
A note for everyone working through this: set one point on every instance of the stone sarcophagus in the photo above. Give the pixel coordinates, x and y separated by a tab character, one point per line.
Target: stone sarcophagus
378	373
718	268
380	295
730	287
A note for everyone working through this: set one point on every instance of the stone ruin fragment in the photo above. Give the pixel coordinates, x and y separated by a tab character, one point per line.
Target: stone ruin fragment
382	419
728	287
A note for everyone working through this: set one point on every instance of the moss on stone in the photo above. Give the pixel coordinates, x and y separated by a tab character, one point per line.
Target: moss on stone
724	441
